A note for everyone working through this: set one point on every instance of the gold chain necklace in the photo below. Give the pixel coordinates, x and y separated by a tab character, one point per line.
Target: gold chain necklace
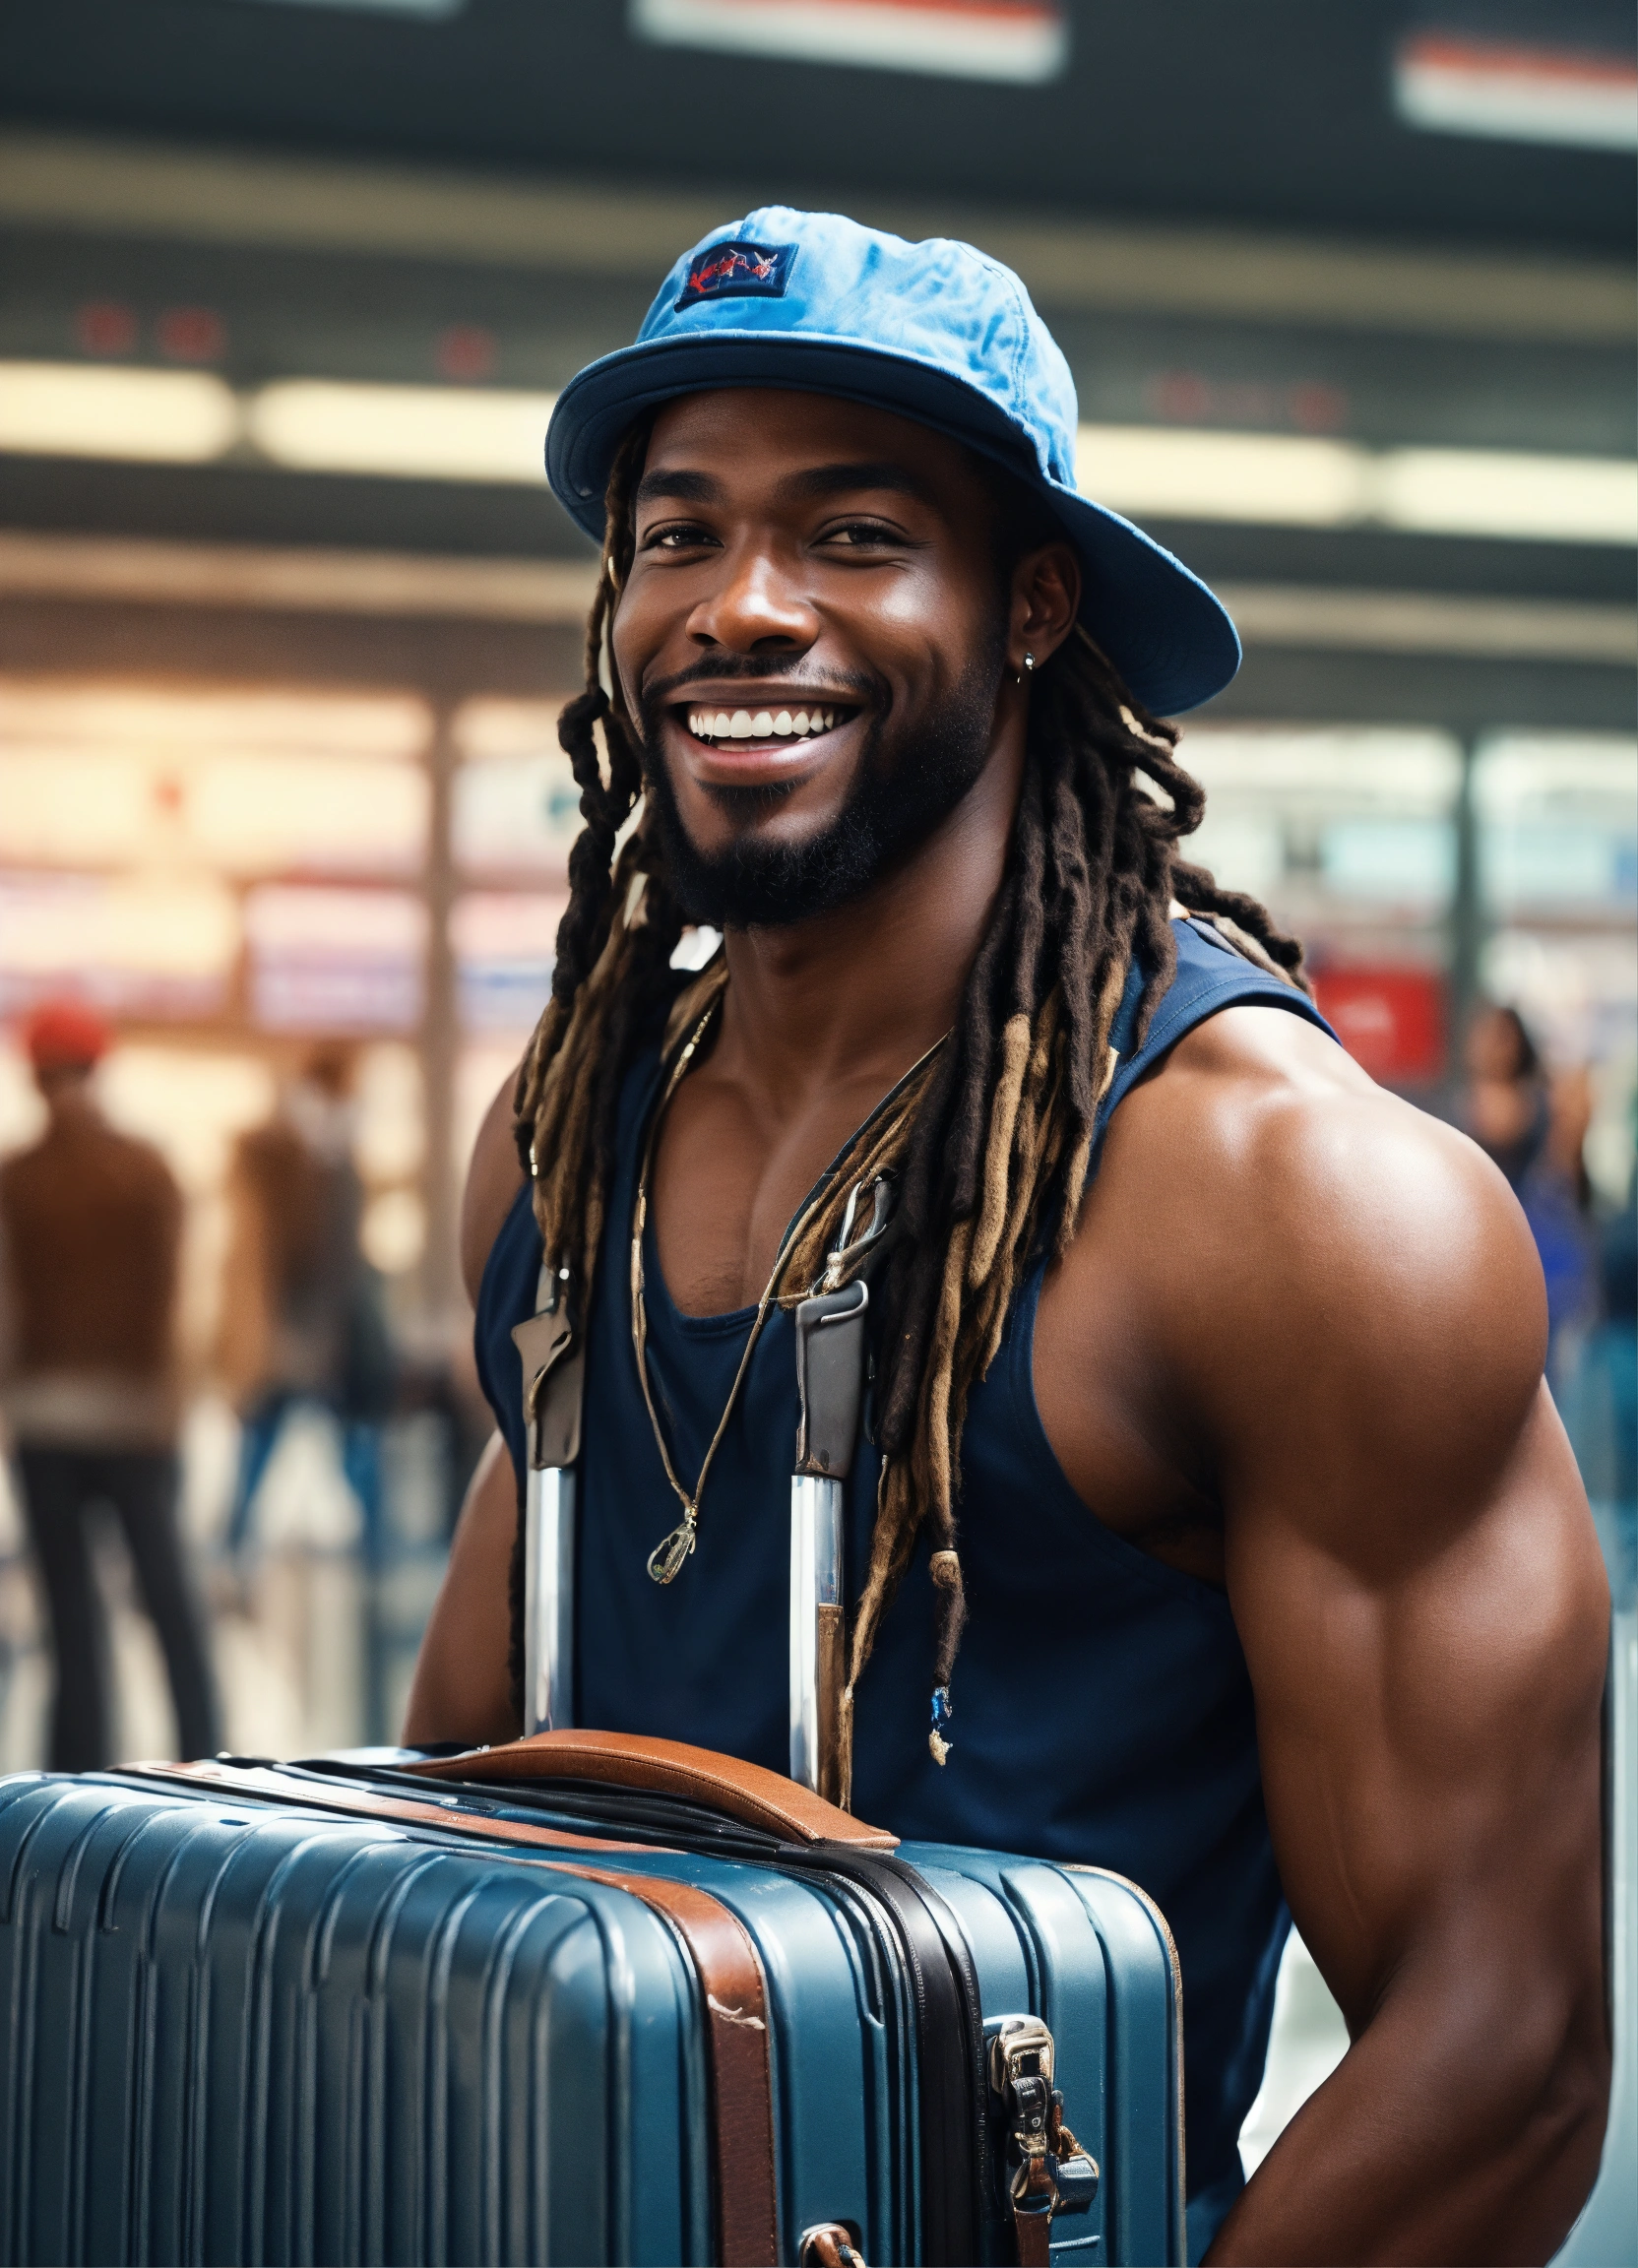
669	1556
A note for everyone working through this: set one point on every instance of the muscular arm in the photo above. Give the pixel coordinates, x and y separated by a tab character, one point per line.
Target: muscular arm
1358	1334
462	1689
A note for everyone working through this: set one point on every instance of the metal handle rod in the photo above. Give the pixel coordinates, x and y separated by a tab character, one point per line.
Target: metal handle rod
815	1582
549	1598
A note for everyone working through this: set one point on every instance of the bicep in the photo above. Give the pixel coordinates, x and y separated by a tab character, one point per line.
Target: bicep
1420	1599
462	1687
1410	1559
1428	1720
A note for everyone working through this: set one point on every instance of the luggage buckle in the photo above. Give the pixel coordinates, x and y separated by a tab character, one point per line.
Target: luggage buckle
1049	2172
830	2244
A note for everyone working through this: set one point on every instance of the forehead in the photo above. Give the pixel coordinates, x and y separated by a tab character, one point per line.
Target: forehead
753	437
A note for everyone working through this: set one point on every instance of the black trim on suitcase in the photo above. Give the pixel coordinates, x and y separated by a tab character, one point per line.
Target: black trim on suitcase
950	2045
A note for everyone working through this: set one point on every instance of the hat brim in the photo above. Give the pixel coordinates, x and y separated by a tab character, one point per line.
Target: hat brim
1169	637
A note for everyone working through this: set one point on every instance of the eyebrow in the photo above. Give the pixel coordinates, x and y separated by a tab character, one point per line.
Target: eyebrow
686	487
817	482
822	480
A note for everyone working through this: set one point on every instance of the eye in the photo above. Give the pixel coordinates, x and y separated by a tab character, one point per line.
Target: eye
675	536
863	535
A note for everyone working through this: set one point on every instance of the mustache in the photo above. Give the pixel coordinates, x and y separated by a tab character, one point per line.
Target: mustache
737	668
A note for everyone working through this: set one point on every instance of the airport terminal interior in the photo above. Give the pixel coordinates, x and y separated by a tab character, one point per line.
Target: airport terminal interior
289	612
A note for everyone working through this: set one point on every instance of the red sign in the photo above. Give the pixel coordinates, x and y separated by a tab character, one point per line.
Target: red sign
1391	1021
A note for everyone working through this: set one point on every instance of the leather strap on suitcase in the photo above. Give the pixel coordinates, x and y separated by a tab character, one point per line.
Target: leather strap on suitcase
717	1946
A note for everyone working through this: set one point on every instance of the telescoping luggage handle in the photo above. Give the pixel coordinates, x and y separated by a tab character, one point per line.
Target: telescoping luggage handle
554	1375
831	1362
831	1357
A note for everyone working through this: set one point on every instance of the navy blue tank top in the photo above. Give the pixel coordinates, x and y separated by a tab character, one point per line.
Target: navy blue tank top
1127	1673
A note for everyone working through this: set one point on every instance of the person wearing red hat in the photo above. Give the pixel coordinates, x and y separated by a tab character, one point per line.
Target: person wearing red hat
91	1227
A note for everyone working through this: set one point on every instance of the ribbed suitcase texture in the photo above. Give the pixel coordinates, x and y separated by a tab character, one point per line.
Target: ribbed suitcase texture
245	2029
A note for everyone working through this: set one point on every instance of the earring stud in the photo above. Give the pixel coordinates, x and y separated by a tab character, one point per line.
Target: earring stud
1029	664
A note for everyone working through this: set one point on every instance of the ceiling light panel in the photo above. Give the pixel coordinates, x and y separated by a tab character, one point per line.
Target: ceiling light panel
415	432
1275	480
1504	90
1011	42
156	417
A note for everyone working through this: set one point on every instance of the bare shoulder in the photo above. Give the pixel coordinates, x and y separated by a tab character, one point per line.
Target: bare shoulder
493	1178
1303	1249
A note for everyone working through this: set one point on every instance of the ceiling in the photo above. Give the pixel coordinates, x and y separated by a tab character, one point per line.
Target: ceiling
1271	114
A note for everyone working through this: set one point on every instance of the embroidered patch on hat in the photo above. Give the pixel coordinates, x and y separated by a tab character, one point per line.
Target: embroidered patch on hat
738	271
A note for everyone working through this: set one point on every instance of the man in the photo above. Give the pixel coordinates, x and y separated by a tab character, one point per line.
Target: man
301	1318
1210	1486
91	1227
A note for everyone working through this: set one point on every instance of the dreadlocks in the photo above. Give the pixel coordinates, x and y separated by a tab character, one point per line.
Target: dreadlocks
990	1144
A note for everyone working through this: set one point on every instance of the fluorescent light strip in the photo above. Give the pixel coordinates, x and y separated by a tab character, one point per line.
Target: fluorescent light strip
414	432
1273	480
1448	84
486	435
81	409
1022	43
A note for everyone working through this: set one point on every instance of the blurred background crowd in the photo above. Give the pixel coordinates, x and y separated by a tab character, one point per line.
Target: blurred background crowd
289	613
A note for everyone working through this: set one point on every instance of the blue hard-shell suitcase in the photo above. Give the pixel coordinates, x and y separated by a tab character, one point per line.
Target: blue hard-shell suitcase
344	2012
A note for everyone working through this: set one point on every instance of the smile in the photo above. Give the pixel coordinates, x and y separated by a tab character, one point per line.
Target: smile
716	725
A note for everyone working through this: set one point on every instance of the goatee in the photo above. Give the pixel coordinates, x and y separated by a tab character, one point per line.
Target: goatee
907	785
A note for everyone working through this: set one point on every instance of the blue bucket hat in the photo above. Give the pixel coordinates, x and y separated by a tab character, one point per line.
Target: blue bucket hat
937	332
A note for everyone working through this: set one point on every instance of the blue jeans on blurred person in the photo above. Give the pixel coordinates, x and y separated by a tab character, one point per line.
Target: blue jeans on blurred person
259	1436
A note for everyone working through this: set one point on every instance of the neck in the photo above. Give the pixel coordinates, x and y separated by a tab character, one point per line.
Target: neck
71	1108
859	994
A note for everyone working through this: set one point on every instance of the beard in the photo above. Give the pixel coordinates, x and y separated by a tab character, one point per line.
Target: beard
907	782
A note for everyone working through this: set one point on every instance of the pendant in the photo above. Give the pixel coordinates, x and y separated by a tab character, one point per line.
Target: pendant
666	1560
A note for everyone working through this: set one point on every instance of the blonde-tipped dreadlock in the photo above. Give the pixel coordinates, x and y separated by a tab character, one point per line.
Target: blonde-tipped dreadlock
990	1143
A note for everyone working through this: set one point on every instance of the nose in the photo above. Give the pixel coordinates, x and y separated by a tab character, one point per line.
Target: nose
754	607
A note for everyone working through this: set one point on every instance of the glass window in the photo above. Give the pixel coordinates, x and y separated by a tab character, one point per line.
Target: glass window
1559	817
1335	830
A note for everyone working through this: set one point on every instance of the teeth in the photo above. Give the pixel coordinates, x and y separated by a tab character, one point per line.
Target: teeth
765	724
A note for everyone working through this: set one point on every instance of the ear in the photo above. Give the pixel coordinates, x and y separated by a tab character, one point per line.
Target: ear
1045	599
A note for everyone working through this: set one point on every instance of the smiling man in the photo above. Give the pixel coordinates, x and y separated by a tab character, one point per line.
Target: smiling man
1211	1489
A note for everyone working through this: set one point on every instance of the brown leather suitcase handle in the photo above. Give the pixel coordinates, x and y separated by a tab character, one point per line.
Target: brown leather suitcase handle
748	1793
714	1941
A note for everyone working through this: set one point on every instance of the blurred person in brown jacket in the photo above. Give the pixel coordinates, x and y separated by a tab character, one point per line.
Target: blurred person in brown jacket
302	1320
90	1225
